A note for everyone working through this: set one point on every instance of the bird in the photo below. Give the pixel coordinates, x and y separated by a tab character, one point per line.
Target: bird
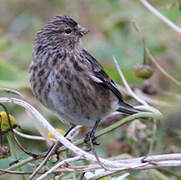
69	81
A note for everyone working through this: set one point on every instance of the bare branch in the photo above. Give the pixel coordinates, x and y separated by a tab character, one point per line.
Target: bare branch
146	105
163	18
58	165
39	138
110	165
153	60
29	114
43	162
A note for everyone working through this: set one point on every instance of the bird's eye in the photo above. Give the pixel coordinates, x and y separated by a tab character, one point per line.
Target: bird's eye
68	31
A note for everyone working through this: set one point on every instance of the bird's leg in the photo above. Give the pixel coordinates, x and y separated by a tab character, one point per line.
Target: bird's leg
59	143
90	135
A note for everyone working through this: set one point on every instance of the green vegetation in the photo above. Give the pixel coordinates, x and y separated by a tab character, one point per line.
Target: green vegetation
112	33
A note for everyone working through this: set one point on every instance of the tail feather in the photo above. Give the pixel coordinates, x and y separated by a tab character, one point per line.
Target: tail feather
127	109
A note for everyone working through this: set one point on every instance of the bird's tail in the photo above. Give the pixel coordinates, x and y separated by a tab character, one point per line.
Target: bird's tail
127	109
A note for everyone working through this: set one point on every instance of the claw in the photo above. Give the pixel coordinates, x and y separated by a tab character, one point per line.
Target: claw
90	136
94	142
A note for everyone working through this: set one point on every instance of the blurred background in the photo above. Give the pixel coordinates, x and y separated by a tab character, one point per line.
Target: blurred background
111	34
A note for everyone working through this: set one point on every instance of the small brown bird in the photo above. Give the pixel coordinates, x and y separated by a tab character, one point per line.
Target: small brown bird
69	81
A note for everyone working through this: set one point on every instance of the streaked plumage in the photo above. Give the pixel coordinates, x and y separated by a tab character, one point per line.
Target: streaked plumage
68	80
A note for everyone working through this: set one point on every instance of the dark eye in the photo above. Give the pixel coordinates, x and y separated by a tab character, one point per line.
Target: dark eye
68	31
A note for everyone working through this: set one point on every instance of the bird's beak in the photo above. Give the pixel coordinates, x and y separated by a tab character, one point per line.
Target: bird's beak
82	30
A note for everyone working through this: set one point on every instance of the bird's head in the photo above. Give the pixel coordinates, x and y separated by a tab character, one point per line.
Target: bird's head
61	31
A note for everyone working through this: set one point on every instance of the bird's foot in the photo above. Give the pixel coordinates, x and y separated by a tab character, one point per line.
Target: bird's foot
90	136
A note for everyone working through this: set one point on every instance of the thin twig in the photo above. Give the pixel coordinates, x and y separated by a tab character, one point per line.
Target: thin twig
153	139
81	176
12	91
20	164
163	18
114	126
152	100
96	156
74	132
43	162
13	135
121	165
5	171
22	148
127	86
146	105
38	138
153	59
107	173
71	135
57	135
29	114
76	158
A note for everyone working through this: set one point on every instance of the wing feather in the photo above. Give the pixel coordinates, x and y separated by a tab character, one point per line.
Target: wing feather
100	76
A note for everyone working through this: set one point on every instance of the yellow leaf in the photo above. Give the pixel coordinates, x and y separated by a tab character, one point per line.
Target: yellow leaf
104	178
5	124
50	135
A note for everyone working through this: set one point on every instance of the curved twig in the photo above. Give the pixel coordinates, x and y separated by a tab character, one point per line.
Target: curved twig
153	60
58	165
163	18
63	140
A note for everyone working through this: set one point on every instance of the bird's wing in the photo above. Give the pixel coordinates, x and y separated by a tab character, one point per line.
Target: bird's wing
100	76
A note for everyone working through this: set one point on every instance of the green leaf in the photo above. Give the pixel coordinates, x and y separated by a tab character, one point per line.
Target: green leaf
8	72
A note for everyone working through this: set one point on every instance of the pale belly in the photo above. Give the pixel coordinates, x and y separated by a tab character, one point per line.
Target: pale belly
82	106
